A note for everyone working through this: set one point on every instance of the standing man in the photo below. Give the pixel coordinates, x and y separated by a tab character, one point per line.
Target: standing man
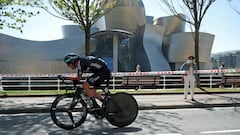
189	78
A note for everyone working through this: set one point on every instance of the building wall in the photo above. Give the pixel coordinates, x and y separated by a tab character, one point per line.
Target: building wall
152	41
231	59
156	44
182	45
128	15
25	56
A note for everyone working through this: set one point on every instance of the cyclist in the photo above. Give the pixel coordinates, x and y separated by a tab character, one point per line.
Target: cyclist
89	64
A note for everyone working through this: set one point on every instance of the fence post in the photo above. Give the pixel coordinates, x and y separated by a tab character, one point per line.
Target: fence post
29	83
164	82
210	81
58	84
113	82
1	88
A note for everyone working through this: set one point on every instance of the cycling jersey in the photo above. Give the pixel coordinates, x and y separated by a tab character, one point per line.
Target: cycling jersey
94	65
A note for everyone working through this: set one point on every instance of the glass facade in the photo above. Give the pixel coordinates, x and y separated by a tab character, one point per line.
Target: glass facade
104	49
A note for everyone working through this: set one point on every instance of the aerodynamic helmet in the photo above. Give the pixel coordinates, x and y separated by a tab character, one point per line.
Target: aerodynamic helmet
71	58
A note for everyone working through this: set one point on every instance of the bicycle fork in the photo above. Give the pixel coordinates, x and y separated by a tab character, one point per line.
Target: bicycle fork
72	106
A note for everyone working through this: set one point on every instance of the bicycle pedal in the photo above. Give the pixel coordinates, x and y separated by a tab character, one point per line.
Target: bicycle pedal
98	116
93	110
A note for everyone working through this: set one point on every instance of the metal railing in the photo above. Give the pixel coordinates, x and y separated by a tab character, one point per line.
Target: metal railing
52	83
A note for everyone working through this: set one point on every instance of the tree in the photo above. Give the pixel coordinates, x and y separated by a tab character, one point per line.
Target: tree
196	10
234	5
13	15
83	12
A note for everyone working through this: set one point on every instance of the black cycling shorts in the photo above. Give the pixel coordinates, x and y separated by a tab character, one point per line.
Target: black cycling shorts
99	77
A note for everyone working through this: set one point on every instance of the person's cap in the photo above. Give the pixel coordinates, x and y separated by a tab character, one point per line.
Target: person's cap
191	57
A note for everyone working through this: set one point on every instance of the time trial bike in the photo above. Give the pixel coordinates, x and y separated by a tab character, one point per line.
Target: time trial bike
69	111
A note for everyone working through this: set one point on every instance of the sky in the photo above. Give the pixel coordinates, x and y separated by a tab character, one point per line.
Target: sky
220	20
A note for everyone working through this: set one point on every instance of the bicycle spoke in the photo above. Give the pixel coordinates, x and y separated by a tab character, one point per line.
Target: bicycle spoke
67	112
70	111
71	117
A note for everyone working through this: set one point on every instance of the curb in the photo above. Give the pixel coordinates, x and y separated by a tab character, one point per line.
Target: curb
47	110
168	93
190	106
34	108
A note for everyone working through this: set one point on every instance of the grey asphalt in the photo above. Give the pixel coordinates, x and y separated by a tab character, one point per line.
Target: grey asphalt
36	104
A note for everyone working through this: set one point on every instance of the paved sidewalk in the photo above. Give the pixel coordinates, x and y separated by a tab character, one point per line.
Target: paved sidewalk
11	105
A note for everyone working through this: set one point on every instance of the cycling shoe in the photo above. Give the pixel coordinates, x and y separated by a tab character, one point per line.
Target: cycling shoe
96	112
99	114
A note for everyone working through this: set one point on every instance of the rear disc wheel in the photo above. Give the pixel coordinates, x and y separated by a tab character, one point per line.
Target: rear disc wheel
121	110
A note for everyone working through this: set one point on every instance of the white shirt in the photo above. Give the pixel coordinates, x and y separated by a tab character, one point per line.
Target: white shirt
190	70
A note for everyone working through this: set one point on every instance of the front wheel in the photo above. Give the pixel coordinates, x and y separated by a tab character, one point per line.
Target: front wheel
68	112
121	110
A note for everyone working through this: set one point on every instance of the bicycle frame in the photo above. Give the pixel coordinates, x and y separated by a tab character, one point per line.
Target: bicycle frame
80	94
120	109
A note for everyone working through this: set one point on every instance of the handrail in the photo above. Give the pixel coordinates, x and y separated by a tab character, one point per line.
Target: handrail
31	81
165	81
120	74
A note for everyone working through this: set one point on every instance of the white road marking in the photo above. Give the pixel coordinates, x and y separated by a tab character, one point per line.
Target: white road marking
166	134
221	131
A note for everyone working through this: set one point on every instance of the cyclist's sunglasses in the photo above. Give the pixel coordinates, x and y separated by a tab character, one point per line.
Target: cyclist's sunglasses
68	63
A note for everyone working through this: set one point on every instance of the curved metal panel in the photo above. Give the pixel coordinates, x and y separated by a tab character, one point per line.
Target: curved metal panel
71	30
127	15
152	42
182	45
172	24
111	32
25	56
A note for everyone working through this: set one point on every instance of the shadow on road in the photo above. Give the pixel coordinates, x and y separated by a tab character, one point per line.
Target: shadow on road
35	124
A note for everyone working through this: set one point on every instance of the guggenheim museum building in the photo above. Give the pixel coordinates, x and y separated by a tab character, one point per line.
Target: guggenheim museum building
124	37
